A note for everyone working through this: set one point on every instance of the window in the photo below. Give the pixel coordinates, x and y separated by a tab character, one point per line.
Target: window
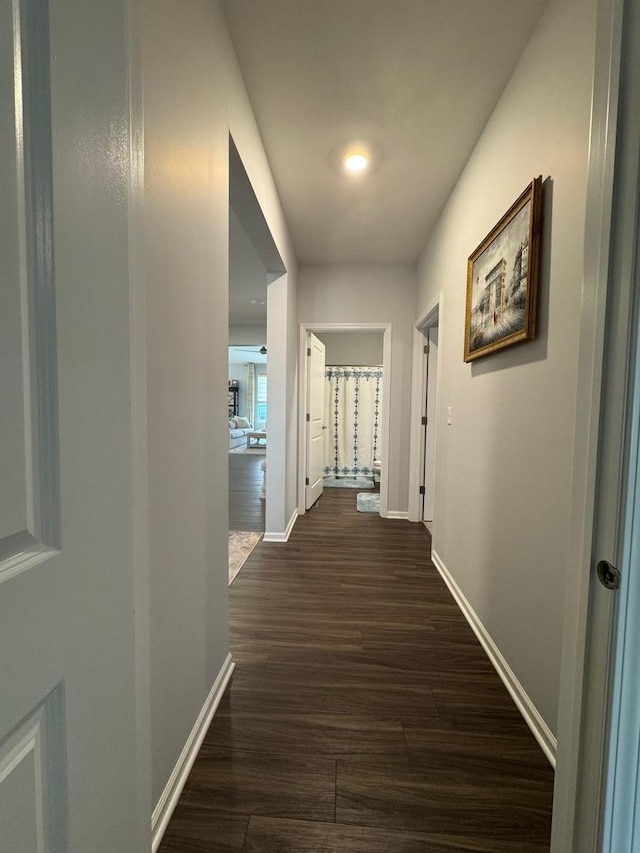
261	398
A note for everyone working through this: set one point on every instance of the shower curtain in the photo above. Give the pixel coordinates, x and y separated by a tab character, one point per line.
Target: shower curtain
353	398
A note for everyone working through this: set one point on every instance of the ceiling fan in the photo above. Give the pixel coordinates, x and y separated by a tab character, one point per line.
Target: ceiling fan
262	350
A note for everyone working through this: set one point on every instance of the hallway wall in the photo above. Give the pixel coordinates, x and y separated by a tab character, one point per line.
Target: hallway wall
372	293
254	335
247	277
353	348
504	465
194	97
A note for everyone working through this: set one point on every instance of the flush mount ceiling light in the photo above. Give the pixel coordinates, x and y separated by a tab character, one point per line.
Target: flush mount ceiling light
356	162
355	158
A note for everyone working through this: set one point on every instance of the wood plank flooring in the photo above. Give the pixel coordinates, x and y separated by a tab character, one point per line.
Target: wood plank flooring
363	715
246	507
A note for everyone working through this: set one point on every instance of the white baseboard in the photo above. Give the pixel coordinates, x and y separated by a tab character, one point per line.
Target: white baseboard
530	713
171	794
282	537
393	514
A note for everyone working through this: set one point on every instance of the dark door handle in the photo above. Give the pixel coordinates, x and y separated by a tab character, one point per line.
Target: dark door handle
608	575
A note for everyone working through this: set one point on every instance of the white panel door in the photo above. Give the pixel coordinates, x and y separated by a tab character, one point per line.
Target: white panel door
32	736
67	704
315	419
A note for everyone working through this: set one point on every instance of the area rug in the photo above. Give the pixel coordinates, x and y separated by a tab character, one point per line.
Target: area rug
241	544
258	450
347	483
368	502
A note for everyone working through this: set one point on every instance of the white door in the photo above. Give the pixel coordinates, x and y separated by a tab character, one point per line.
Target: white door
596	807
67	697
315	419
617	528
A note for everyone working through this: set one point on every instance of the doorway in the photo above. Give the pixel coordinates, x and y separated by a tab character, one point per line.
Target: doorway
357	366
247	411
428	485
425	415
254	265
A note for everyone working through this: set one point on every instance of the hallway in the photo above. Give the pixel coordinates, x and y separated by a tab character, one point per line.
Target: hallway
363	715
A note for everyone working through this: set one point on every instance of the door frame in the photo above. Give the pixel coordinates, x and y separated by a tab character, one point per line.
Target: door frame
386	330
585	676
431	317
431	360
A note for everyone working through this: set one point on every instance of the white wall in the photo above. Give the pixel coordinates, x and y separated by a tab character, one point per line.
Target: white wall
291	406
248	335
247	277
282	445
194	97
352	348
376	293
504	465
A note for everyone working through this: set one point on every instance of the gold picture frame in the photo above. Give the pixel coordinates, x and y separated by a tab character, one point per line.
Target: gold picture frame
502	279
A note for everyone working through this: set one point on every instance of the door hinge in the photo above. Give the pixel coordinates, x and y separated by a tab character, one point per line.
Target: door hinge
424	420
608	575
308	417
306	481
423	490
426	349
308	350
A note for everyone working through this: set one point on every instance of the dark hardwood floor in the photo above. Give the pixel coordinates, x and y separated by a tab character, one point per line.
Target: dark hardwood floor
363	715
246	507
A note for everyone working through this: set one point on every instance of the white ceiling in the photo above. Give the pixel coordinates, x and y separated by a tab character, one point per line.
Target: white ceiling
415	79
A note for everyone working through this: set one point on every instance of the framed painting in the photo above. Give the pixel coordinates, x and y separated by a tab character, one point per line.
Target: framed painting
502	279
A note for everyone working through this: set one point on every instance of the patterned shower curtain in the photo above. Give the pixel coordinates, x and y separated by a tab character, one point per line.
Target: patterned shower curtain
353	398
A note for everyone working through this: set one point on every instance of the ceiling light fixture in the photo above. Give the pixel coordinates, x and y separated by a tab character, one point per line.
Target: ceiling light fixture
356	162
355	158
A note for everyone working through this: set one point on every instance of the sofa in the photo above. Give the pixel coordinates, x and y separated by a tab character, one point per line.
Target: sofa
238	429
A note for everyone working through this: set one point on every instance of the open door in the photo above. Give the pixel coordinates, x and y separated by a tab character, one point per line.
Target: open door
67	707
315	419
